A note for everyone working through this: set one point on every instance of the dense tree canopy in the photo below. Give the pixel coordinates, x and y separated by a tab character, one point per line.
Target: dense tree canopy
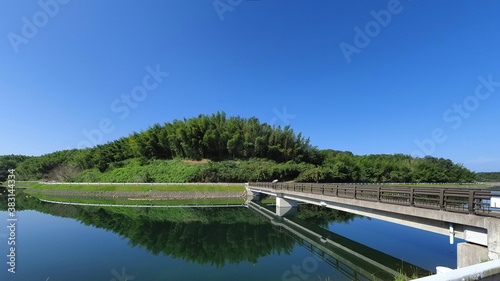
488	177
234	149
213	137
8	162
338	166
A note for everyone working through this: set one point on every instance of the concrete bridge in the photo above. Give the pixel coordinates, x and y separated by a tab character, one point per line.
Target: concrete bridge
352	259
460	213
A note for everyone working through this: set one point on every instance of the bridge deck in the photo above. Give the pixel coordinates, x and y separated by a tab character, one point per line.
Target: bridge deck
468	201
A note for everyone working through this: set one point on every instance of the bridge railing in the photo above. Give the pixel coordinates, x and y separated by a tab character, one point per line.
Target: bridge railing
447	199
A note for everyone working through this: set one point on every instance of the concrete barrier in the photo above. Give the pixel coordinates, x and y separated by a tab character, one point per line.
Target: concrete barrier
486	271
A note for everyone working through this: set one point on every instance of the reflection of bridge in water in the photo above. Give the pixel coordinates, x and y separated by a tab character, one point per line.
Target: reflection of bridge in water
354	260
469	214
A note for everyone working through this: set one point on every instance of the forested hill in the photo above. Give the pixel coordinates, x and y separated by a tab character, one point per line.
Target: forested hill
9	162
230	149
488	177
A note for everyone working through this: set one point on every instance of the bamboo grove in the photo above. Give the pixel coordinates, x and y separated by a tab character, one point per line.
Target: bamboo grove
233	149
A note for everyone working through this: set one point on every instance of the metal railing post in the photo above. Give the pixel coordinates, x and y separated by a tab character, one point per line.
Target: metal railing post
441	199
471	202
412	196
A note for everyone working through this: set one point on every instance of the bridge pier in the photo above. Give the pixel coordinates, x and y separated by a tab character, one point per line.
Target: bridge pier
470	254
284	203
284	206
250	193
493	227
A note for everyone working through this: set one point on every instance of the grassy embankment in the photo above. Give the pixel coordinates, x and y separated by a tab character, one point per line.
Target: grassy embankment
142	200
128	187
146	202
21	184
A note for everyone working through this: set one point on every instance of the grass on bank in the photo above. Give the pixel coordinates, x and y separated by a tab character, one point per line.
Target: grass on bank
145	201
117	187
20	184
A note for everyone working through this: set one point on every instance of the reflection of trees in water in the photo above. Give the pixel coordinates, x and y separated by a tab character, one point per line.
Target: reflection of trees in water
322	216
3	199
215	243
213	236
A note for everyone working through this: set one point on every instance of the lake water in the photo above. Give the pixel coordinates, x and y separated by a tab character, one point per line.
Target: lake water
64	242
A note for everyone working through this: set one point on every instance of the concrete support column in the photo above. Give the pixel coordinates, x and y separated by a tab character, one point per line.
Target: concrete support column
249	192
284	211
493	226
470	254
285	207
285	203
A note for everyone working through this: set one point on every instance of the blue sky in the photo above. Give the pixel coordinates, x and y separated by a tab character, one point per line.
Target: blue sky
412	77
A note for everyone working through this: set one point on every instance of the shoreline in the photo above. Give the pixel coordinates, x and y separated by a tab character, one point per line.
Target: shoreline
139	195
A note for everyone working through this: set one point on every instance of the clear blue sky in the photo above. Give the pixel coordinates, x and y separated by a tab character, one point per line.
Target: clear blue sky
364	76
